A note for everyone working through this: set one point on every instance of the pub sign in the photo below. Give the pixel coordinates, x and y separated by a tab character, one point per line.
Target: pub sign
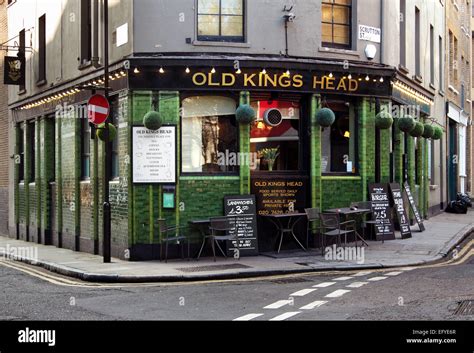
14	73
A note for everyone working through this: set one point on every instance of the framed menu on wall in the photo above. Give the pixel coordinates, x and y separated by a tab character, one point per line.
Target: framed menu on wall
154	155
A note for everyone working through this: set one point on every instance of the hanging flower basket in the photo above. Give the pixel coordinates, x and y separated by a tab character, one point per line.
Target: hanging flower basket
383	120
245	114
438	133
406	123
152	120
100	132
325	117
428	131
417	130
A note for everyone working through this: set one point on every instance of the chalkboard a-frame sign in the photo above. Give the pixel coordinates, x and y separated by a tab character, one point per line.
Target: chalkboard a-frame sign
384	229
243	208
412	203
403	220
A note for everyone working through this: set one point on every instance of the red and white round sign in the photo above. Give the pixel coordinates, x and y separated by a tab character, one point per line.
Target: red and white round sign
98	108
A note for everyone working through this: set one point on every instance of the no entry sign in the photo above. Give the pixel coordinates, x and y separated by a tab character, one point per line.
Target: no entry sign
98	108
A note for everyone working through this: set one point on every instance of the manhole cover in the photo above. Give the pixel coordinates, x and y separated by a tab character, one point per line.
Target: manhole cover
212	268
465	307
289	280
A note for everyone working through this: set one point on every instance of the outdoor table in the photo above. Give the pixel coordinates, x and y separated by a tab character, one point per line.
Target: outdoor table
348	211
201	224
292	219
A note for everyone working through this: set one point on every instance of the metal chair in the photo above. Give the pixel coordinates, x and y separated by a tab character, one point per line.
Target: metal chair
365	223
172	234
221	229
331	226
312	215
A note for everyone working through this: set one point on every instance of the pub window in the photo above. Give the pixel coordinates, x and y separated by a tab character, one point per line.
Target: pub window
209	135
42	49
32	151
338	142
220	20
86	32
276	148
21	153
21	51
114	144
85	149
336	23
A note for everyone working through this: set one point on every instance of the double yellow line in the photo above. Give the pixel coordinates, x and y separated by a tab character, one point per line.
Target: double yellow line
461	257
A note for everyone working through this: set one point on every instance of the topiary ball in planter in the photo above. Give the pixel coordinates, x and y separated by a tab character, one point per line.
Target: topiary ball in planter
406	123
383	120
325	117
438	133
245	114
428	131
100	133
152	120
418	130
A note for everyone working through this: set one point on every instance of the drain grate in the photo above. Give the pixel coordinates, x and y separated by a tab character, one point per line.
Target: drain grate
465	307
289	280
212	268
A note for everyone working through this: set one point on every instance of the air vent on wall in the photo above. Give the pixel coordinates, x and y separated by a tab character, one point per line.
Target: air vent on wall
272	117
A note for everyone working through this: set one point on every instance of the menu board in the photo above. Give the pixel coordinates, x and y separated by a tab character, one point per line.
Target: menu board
381	211
412	203
244	209
154	155
403	220
279	196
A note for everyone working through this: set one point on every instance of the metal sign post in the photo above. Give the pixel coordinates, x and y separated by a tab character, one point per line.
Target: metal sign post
106	205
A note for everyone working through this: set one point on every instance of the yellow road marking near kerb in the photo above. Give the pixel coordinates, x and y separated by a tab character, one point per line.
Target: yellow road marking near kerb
461	257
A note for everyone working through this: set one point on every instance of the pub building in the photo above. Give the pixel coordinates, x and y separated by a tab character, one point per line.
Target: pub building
285	157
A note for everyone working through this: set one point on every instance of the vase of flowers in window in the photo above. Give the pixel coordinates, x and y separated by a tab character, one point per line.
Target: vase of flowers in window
269	155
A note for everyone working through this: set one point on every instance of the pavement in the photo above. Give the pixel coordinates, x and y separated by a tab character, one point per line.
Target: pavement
443	233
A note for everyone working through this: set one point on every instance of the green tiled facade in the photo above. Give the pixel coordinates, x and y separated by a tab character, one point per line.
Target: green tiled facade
74	217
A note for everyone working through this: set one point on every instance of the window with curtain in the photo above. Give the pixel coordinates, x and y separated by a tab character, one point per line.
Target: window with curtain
338	142
336	23
220	20
209	135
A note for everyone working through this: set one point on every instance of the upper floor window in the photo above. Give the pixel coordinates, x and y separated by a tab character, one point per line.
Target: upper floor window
86	32
336	23
221	20
42	49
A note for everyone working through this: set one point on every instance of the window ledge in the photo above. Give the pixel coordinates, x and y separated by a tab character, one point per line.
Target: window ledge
434	187
340	177
432	86
418	78
209	177
22	92
441	93
403	69
84	65
85	181
41	83
220	44
322	49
